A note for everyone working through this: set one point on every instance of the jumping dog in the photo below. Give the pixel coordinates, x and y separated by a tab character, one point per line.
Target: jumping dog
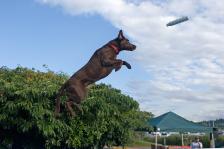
100	65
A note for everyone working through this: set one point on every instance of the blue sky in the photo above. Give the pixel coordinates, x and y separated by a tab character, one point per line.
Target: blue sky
33	34
180	68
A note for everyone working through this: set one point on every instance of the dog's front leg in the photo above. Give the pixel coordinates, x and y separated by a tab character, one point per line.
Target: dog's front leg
118	65
115	63
123	63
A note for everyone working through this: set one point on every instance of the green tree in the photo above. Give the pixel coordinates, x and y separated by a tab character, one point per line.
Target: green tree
27	100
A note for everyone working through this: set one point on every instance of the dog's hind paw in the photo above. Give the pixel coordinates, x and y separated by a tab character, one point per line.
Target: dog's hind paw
57	115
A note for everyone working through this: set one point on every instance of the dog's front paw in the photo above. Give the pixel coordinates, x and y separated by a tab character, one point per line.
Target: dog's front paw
127	64
118	68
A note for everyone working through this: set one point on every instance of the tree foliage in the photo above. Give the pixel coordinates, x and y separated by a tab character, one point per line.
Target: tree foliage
219	123
27	100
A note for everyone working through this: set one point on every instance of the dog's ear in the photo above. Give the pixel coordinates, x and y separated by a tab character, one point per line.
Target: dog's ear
120	35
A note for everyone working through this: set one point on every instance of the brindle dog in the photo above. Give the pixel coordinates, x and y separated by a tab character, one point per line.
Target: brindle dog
99	66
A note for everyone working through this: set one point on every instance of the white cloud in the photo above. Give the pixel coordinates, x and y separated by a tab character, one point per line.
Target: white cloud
186	61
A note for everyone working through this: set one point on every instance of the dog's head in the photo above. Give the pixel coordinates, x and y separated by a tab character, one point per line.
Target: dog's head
124	43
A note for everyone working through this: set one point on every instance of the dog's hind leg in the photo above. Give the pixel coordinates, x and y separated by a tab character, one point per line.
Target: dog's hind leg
76	94
69	107
70	104
60	93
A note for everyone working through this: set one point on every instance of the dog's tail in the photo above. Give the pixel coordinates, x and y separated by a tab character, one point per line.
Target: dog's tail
58	101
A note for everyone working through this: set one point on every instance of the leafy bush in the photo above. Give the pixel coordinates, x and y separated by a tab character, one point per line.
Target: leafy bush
27	100
220	141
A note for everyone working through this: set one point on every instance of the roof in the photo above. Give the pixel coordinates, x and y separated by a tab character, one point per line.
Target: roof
171	122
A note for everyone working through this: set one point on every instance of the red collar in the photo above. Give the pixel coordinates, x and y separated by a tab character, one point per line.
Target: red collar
116	49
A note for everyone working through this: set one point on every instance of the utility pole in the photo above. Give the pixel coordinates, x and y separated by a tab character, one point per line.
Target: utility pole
212	139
